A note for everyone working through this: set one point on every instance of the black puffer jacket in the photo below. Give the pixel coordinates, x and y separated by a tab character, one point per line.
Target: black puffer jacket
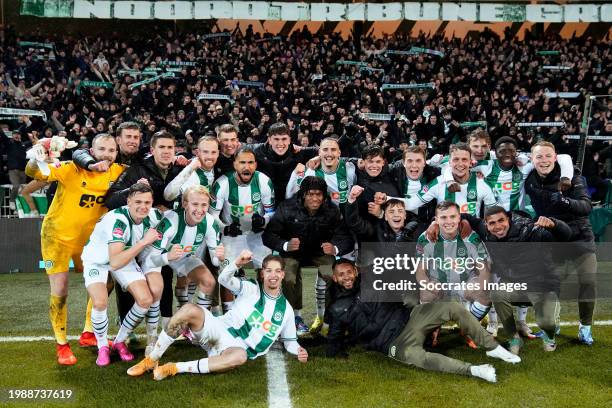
517	257
378	230
117	194
292	220
572	206
373	325
383	183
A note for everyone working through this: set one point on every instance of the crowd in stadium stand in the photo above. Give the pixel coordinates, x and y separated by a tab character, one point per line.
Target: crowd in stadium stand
492	79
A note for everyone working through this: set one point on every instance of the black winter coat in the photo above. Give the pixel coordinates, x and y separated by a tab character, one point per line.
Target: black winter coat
373	325
292	220
117	194
572	206
523	261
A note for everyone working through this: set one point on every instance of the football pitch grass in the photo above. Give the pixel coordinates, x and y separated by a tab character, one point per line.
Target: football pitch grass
574	375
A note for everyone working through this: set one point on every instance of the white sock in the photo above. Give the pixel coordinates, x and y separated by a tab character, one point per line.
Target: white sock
99	321
161	345
320	287
522	313
485	371
165	321
478	310
181	295
153	319
131	321
193	367
204	300
492	315
227	306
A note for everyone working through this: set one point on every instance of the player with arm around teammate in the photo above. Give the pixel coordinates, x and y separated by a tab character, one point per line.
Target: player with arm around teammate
115	246
260	316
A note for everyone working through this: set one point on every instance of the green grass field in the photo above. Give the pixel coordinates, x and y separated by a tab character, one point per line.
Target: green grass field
574	375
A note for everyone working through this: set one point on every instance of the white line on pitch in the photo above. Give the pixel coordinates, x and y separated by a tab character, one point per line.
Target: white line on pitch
15	339
278	389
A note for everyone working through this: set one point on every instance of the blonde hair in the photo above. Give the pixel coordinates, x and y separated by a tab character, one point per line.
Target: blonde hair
543	143
199	189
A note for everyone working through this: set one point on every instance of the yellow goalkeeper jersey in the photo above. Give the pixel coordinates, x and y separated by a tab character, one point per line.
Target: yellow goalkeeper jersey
78	202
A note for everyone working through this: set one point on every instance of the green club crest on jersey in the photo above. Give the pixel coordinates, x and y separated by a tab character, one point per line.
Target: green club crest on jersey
471	195
199	237
256	197
278	316
461	252
93	273
342	184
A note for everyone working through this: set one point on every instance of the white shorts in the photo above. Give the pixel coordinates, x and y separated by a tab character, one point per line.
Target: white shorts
131	272
214	337
234	245
184	265
145	260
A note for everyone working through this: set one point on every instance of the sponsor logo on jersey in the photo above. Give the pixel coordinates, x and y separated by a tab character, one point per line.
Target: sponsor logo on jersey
425	188
117	233
89	200
257	321
240	210
507	186
468	208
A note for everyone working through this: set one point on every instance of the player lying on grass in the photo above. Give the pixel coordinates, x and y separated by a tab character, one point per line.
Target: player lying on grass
399	332
117	245
260	316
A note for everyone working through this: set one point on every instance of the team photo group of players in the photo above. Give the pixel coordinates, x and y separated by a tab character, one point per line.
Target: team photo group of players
131	220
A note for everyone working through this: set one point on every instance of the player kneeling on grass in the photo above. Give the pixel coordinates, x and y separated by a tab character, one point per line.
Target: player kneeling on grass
394	329
114	246
260	316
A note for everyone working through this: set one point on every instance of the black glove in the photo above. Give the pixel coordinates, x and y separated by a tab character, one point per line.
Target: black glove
232	230
558	199
258	223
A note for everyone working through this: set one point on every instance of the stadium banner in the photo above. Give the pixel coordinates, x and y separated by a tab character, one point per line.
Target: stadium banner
281	11
24	210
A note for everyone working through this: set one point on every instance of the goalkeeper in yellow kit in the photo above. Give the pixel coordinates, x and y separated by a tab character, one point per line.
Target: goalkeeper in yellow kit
77	206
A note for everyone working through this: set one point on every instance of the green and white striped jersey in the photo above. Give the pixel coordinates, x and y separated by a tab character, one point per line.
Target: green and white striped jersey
188	177
258	319
446	260
116	226
470	199
507	185
193	239
339	182
233	202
